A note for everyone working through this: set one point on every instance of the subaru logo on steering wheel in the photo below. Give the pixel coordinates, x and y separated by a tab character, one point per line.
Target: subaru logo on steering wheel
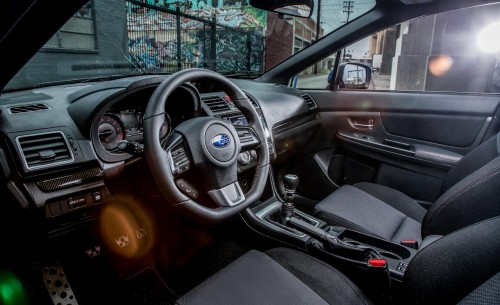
221	140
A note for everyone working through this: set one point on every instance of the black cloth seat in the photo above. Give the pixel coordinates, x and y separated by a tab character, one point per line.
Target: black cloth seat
470	194
279	276
462	267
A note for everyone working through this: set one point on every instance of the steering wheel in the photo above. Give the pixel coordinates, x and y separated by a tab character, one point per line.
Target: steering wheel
207	148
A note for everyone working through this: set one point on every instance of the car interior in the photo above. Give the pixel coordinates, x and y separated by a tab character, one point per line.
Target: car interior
197	187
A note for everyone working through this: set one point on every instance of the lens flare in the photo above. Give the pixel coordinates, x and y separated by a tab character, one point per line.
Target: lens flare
11	290
487	39
439	66
126	228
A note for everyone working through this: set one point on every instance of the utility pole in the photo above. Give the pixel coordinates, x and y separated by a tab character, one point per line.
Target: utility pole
349	9
318	29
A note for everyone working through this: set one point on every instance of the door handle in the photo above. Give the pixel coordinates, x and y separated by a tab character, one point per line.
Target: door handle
369	125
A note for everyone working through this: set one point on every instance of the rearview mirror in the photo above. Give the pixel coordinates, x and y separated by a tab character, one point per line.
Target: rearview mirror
299	8
353	76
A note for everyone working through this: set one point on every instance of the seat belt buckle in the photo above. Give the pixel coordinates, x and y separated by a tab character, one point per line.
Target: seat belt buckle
410	243
379	279
377	263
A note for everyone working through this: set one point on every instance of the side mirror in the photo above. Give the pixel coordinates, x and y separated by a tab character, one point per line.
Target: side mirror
298	8
353	76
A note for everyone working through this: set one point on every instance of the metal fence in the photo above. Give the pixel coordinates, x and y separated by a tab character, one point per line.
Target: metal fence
162	40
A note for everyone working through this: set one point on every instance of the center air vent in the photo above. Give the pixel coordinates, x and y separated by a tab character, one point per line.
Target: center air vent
216	104
309	101
252	100
27	108
44	149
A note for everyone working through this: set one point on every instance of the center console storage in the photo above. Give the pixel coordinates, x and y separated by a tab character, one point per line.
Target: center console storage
396	256
332	243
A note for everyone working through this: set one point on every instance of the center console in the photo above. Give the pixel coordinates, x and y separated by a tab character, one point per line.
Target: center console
376	258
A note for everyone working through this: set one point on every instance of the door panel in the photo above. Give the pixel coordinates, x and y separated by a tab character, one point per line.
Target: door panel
407	141
436	128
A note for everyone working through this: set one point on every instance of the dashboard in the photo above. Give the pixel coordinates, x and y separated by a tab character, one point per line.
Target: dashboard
62	146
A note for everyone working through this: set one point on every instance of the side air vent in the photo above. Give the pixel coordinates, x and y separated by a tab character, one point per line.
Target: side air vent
216	104
27	108
252	100
309	101
44	149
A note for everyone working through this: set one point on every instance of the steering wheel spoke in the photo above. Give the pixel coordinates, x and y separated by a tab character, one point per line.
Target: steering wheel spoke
228	196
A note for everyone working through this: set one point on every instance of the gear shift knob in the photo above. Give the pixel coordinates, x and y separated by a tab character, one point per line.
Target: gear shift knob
290	182
287	209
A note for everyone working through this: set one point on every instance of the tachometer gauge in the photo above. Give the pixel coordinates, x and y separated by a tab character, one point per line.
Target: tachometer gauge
110	132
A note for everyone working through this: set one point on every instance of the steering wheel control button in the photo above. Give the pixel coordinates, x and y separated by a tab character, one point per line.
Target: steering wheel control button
180	161
244	158
254	155
187	188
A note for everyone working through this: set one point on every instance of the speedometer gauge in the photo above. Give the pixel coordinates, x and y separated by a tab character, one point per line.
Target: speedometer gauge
110	132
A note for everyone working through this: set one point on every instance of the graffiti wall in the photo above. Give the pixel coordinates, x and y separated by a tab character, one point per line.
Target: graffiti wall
238	39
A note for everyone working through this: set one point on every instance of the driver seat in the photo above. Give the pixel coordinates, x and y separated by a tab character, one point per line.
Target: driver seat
460	267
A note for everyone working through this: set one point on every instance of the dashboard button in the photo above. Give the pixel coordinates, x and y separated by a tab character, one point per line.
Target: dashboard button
55	208
97	197
76	202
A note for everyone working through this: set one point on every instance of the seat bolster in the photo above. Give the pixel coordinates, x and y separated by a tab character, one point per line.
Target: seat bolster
252	279
357	210
281	276
471	200
452	267
328	282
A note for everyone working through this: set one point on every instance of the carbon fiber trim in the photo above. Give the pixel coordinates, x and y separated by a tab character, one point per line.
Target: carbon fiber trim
70	180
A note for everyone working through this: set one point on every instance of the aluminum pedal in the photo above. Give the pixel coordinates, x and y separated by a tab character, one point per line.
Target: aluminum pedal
58	286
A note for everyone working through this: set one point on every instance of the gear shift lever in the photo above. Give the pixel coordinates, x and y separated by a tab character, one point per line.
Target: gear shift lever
287	209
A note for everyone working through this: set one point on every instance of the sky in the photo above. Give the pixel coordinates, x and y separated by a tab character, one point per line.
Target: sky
333	17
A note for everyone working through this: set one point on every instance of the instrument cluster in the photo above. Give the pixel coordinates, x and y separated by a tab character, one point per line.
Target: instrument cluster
121	126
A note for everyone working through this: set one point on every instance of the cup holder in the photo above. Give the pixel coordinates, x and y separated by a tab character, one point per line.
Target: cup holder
385	248
390	255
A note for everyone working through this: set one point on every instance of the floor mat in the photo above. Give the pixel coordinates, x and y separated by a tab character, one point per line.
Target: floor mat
147	288
96	282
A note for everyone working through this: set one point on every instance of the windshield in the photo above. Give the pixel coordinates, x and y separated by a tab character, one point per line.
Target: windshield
108	38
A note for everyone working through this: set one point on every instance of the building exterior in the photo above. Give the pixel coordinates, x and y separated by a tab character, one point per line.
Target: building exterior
440	53
156	36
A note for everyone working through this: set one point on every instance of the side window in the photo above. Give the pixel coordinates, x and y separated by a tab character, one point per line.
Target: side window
317	76
77	34
455	51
